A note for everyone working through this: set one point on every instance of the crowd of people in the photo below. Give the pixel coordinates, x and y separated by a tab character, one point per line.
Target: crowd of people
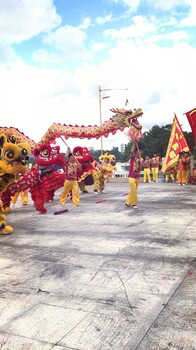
151	166
179	173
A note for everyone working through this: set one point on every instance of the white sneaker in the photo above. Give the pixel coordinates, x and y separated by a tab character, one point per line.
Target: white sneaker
134	206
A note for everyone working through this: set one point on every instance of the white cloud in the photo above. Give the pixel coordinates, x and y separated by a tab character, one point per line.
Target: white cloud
159	80
166	4
103	20
7	55
99	47
191	19
67	36
85	24
140	27
132	4
175	36
21	20
67	43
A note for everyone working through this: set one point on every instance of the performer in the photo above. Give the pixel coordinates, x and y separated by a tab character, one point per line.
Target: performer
88	173
23	195
155	162
71	183
181	175
146	167
134	175
187	162
170	174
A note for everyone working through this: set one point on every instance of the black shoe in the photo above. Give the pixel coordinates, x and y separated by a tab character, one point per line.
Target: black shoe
134	206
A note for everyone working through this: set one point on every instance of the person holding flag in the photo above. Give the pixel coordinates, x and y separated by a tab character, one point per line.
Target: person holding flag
187	162
177	144
180	170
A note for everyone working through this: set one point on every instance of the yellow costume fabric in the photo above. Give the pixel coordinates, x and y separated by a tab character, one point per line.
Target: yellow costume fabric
24	197
132	198
147	177
70	185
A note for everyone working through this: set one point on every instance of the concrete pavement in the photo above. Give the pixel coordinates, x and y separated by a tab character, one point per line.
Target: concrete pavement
102	276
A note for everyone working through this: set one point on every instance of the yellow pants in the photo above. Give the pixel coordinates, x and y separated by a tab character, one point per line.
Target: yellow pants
181	175
24	197
132	196
168	176
187	173
147	177
155	174
73	186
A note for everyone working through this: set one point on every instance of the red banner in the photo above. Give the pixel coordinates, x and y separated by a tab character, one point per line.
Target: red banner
191	116
177	143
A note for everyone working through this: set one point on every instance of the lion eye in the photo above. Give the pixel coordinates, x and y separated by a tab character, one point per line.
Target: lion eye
9	154
45	152
24	152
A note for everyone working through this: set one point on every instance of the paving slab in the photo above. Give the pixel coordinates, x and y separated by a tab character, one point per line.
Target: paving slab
102	276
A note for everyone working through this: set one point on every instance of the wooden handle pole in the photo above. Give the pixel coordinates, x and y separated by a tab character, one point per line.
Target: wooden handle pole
69	147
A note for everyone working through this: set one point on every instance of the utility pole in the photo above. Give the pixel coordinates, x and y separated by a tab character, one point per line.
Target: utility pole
100	109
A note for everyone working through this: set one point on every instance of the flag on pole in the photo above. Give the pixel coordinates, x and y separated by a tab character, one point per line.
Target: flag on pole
177	143
191	116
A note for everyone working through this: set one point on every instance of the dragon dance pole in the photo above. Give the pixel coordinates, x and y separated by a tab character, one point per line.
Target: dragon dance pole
100	115
68	147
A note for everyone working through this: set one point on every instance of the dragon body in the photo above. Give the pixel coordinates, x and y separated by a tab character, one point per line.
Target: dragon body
122	119
44	178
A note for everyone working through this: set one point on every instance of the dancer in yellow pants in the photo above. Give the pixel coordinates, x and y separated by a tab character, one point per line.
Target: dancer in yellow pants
23	195
155	162
181	174
134	176
71	183
146	167
170	174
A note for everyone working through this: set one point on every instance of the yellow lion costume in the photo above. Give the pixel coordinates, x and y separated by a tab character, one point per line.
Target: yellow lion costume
108	162
13	162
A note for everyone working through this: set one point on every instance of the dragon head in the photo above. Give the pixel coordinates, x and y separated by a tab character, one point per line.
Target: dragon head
130	117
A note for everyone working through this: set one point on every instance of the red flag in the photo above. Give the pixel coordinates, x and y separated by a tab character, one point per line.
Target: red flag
177	143
191	116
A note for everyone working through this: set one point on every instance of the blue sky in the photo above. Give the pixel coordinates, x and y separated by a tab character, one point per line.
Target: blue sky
54	54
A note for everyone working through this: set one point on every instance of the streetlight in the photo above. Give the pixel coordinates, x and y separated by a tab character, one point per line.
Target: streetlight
100	109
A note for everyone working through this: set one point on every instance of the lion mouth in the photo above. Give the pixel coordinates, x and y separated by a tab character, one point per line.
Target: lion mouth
22	161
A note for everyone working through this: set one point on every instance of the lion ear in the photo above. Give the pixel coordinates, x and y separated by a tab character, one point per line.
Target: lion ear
2	140
12	139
